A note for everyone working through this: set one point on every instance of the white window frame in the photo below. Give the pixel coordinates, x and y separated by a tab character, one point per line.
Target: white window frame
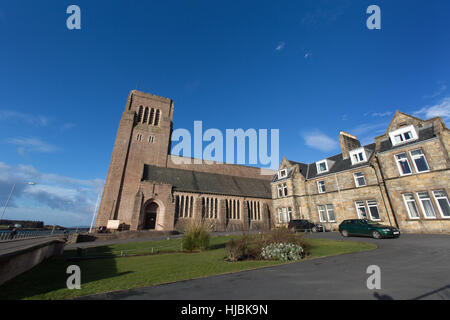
279	215
356	179
407	207
357	203
328	213
318	166
289	216
357	152
285	218
285	190
280	191
439	205
423	207
318	186
401	132
373	205
282	174
413	158
324	213
399	167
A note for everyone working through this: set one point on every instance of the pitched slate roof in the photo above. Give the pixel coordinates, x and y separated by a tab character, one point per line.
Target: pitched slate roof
204	182
340	164
303	167
424	134
309	171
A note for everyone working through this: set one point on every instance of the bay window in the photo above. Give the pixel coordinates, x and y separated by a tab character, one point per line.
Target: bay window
426	205
443	205
411	206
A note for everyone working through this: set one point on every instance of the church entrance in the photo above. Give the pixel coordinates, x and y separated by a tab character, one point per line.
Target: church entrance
150	214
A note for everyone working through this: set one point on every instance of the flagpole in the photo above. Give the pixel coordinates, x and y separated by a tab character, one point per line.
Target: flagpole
93	214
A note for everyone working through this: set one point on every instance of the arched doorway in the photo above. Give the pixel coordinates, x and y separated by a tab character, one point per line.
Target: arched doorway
150	215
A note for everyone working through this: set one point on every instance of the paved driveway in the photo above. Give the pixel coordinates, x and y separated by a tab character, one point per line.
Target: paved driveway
412	267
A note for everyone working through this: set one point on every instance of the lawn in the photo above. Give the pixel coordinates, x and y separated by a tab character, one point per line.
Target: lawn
48	280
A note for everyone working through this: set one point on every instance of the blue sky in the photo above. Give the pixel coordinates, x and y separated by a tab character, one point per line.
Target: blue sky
308	68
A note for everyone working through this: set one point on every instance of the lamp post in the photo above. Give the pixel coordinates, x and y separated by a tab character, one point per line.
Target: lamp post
9	198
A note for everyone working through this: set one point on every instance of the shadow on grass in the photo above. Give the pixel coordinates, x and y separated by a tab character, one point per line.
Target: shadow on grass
36	281
217	246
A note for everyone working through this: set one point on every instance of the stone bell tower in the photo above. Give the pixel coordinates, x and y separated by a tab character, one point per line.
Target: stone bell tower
143	137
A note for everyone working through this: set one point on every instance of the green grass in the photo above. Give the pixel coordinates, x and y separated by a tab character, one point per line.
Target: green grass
48	280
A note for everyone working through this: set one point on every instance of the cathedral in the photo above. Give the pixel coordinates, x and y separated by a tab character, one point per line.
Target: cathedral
401	179
148	188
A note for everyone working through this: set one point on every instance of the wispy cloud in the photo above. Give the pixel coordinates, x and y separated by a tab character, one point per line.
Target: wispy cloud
441	109
438	92
307	55
280	46
31	144
382	114
320	141
365	132
36	120
369	128
321	15
67	126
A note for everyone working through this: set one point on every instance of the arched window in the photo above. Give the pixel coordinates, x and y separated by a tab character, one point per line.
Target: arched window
238	210
145	116
186	207
152	115
215	209
181	206
203	208
259	211
191	211
157	116
139	116
177	206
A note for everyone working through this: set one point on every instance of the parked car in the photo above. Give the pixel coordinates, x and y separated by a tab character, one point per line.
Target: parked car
362	227
304	225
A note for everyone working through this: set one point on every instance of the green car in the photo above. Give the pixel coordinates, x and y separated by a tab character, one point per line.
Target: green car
361	227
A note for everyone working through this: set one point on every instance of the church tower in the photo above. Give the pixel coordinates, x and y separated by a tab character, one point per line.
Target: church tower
143	137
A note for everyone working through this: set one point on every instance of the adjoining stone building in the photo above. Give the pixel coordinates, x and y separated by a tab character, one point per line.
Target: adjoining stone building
402	179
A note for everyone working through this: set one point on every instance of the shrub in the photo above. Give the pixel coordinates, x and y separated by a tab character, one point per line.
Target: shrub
196	236
282	235
244	248
252	246
282	251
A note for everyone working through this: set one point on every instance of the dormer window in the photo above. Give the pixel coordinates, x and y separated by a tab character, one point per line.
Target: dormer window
358	156
322	166
282	174
403	135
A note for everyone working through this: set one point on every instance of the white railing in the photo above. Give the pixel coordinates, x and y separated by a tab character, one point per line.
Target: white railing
8	236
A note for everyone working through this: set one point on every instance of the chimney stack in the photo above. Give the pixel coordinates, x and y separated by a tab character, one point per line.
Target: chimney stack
348	143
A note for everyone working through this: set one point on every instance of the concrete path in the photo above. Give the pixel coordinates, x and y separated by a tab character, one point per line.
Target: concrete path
412	267
14	247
